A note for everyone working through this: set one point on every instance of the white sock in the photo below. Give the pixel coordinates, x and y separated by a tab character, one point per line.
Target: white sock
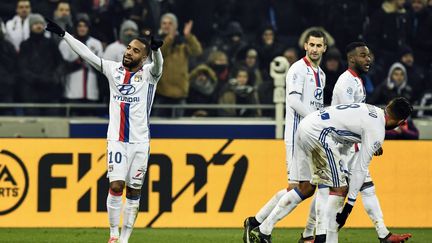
130	213
310	224
269	206
334	205
373	209
114	204
320	206
285	205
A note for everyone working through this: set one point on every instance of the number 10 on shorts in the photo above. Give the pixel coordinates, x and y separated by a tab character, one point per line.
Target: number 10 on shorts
117	157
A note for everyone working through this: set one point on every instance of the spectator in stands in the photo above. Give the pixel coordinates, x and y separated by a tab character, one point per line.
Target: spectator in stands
63	17
415	74
39	62
203	83
268	48
81	79
420	36
8	67
256	77
115	50
394	86
18	28
251	64
218	62
407	131
233	42
333	68
387	31
291	54
173	86
239	91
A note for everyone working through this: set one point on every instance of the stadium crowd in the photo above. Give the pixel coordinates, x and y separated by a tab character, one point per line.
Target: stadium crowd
215	51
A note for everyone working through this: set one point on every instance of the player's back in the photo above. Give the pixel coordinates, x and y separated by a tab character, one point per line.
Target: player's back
346	122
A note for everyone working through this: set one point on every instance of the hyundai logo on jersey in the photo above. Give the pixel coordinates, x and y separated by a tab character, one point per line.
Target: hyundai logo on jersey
126	89
318	94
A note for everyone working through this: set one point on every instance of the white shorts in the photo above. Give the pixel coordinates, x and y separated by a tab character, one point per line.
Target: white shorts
300	166
127	162
317	159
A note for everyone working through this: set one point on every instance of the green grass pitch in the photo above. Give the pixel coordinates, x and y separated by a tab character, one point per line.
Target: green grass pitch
141	235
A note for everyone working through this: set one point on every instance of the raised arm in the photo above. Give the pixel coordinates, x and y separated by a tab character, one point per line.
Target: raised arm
82	50
157	63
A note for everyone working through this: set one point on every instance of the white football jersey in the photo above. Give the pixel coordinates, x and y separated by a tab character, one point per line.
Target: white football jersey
130	102
302	79
348	124
349	89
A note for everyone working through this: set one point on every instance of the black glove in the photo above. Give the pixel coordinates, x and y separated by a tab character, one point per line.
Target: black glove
155	43
379	152
342	217
55	28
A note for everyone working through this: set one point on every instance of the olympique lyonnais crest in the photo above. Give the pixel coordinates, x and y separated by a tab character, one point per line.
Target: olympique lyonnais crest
138	77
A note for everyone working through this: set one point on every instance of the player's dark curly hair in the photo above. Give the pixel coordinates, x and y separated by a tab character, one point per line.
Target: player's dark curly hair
146	42
353	45
400	108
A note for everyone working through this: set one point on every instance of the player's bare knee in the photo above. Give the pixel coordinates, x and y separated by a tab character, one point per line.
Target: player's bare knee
292	185
132	193
117	186
306	188
339	191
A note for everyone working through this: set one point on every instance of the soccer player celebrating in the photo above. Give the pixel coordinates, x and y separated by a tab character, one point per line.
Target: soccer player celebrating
305	83
320	139
132	87
350	88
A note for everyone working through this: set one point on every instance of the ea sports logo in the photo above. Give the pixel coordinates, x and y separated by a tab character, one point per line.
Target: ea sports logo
14	182
126	89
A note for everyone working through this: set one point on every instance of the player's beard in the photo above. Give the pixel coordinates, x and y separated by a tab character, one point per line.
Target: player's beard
131	64
360	69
